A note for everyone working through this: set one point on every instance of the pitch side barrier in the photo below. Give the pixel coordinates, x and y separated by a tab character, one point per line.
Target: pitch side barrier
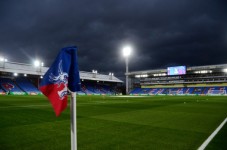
20	93
33	93
97	94
178	94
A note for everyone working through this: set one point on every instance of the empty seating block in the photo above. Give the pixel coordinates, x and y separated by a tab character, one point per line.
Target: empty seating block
27	86
10	87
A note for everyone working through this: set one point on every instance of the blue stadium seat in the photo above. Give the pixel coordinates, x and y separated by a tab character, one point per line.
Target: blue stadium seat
9	85
27	86
96	89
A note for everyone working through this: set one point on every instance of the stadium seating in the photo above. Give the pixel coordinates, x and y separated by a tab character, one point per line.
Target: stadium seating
107	89
87	89
22	85
188	90
180	91
199	90
95	89
215	90
27	86
135	91
10	86
154	91
2	92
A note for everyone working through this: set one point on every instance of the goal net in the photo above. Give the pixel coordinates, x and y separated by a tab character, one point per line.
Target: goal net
216	92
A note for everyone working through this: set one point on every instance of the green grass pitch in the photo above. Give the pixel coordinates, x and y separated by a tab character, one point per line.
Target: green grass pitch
114	123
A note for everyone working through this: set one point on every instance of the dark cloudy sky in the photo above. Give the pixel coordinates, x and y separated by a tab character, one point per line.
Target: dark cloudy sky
162	32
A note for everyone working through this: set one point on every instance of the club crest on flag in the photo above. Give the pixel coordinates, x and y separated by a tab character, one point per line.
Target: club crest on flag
61	79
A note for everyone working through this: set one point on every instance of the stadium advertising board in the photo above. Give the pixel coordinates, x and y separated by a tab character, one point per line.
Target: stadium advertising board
178	70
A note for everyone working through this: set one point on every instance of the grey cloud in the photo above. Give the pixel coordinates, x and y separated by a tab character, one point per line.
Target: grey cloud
162	32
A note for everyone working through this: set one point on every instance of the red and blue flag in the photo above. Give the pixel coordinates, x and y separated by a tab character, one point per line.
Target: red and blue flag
63	75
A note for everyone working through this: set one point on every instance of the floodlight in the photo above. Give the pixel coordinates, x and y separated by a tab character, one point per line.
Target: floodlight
25	75
41	77
15	74
3	59
127	51
36	63
225	70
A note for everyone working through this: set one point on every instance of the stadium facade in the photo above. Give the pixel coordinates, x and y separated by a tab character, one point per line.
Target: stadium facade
21	79
180	80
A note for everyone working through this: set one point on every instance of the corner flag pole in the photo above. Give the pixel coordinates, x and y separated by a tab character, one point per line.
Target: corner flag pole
73	121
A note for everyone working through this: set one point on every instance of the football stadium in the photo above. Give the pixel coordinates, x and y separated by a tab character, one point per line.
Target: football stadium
113	75
171	108
180	80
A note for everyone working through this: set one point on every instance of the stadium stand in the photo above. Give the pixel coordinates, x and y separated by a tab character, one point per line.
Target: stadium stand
15	78
22	85
93	88
88	90
10	86
2	92
180	91
27	86
199	80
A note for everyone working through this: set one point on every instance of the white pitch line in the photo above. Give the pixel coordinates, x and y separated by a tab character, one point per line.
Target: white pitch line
205	143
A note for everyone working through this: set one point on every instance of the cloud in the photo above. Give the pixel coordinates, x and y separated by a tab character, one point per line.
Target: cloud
162	32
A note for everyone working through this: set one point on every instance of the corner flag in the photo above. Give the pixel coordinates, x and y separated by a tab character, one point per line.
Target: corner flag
62	75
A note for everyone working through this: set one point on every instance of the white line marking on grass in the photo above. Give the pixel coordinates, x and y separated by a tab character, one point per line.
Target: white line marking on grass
205	143
26	106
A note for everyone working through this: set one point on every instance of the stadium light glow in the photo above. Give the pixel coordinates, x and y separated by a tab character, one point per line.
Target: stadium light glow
41	77
25	75
38	63
111	74
94	71
3	59
141	76
127	51
15	74
225	70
